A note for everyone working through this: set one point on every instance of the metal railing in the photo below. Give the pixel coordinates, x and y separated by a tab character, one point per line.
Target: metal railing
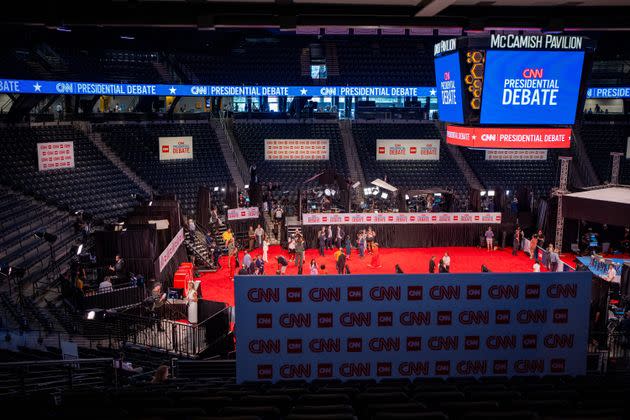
24	378
117	297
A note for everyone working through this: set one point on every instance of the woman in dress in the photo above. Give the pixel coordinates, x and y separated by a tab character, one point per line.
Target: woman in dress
348	243
265	247
376	258
369	237
192	299
252	237
532	247
314	270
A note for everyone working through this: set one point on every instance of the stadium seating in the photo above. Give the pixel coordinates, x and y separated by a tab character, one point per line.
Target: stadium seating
289	174
538	176
137	145
409	174
20	218
95	185
602	139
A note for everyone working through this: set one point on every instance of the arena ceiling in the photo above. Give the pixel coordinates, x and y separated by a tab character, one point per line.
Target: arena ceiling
290	14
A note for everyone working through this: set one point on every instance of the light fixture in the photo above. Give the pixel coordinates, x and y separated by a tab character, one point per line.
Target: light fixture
507	192
216	189
246	186
406	196
223	189
91	315
367	191
333	192
483	193
490	193
63	28
356	184
128	37
437	195
327	192
384	195
150	203
78	212
80	249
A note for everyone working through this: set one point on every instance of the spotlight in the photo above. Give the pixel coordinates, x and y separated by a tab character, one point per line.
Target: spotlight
91	315
356	184
406	196
150	203
367	191
507	192
482	193
63	28
127	37
246	186
375	191
223	189
437	195
78	212
327	192
333	192
384	195
80	249
490	193
216	189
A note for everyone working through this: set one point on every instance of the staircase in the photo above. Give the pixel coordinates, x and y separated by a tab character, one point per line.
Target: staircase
97	140
585	171
164	72
305	63
197	246
332	61
269	229
464	167
352	155
231	153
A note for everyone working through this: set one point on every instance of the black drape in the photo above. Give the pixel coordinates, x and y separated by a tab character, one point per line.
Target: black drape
625	283
412	236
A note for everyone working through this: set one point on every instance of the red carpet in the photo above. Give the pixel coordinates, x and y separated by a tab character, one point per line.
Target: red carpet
218	287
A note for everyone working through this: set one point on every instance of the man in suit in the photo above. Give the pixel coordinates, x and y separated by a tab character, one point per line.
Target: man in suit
432	264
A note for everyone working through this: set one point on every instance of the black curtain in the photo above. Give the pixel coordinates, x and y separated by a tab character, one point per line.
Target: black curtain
599	305
203	206
106	246
414	236
625	284
138	245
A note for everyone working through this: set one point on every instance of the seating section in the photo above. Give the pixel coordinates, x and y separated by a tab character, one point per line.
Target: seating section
588	397
602	139
384	62
442	173
20	218
138	144
289	174
538	176
95	185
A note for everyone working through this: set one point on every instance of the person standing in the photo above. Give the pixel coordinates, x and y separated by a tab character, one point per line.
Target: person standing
329	237
227	236
291	247
314	271
536	267
259	233
446	260
432	264
361	243
192	299
376	257
533	251
191	229
232	257
554	259
341	263
247	260
442	267
370	235
251	236
516	243
321	241
337	253
339	237
348	246
299	251
265	248
489	238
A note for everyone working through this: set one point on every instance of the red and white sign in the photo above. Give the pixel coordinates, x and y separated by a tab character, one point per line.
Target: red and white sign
408	326
173	148
516	154
297	149
171	249
510	138
243	213
57	155
407	149
398	218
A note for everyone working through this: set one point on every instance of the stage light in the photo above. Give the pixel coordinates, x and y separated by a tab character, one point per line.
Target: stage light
367	191
507	192
490	193
356	184
437	195
246	186
482	193
63	29
333	192
80	249
327	192
384	195
127	37
150	203
406	196
223	189
78	212
216	189
91	315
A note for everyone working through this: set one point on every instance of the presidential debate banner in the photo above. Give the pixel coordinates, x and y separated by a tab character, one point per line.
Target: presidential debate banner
297	149
419	325
398	218
173	148
516	154
55	155
124	89
241	213
407	149
511	138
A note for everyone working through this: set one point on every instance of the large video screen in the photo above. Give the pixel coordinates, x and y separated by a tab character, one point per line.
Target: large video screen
449	88
531	87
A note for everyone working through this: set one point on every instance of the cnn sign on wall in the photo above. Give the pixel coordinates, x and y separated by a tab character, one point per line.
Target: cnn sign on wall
407	149
172	148
407	326
297	149
55	155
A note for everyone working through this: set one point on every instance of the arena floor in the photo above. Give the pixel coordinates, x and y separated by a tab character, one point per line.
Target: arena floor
218	286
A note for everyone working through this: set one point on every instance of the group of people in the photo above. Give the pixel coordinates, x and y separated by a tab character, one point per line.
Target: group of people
444	265
327	237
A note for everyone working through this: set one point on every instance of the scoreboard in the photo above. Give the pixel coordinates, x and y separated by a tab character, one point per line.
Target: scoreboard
512	80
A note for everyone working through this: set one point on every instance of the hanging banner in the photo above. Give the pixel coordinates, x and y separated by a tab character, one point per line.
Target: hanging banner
243	213
408	326
57	155
510	138
123	89
407	149
173	148
518	154
398	218
297	149
171	249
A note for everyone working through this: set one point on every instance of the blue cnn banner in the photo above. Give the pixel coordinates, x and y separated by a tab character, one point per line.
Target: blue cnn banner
531	87
608	92
448	80
408	326
115	89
